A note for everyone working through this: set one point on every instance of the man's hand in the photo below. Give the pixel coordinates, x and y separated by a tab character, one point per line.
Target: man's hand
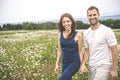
114	75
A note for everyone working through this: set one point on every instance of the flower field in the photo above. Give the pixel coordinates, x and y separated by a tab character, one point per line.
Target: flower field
31	55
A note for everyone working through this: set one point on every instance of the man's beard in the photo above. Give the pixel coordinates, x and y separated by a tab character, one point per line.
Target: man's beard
93	23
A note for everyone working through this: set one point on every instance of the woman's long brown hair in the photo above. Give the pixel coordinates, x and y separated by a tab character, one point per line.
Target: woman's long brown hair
60	26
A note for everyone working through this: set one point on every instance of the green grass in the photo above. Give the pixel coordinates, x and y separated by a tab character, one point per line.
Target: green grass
31	55
117	34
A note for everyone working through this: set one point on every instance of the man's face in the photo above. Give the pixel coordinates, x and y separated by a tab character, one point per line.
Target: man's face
93	16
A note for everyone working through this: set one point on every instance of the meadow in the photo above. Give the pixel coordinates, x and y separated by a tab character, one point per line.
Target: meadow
31	55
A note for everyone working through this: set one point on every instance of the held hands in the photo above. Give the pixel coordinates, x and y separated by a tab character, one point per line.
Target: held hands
83	69
56	69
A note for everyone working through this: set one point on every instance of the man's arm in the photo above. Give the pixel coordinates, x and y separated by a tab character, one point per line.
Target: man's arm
114	52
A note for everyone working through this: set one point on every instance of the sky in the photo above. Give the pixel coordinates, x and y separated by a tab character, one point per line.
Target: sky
12	11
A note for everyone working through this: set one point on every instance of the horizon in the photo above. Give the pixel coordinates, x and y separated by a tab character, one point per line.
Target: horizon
45	20
83	19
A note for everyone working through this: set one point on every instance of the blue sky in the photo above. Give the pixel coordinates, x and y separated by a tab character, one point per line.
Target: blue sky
12	11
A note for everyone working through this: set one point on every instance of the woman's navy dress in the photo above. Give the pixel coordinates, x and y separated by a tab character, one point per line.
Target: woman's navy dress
70	57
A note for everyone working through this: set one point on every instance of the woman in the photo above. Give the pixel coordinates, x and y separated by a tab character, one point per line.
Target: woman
69	47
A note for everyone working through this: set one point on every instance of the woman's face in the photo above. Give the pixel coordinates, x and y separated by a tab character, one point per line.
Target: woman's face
67	23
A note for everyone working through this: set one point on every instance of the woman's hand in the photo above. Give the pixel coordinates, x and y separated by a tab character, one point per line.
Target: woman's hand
56	69
83	69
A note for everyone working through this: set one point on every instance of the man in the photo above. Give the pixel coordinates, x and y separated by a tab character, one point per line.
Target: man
100	49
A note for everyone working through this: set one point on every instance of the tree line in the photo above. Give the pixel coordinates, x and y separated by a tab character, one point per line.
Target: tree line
114	24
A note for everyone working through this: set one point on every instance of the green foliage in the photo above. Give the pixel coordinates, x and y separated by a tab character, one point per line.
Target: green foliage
114	24
117	34
81	25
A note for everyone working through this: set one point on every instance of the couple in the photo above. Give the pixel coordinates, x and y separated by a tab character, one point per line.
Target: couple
100	48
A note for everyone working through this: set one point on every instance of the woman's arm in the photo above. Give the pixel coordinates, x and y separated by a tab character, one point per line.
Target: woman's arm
80	42
83	68
86	55
59	53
